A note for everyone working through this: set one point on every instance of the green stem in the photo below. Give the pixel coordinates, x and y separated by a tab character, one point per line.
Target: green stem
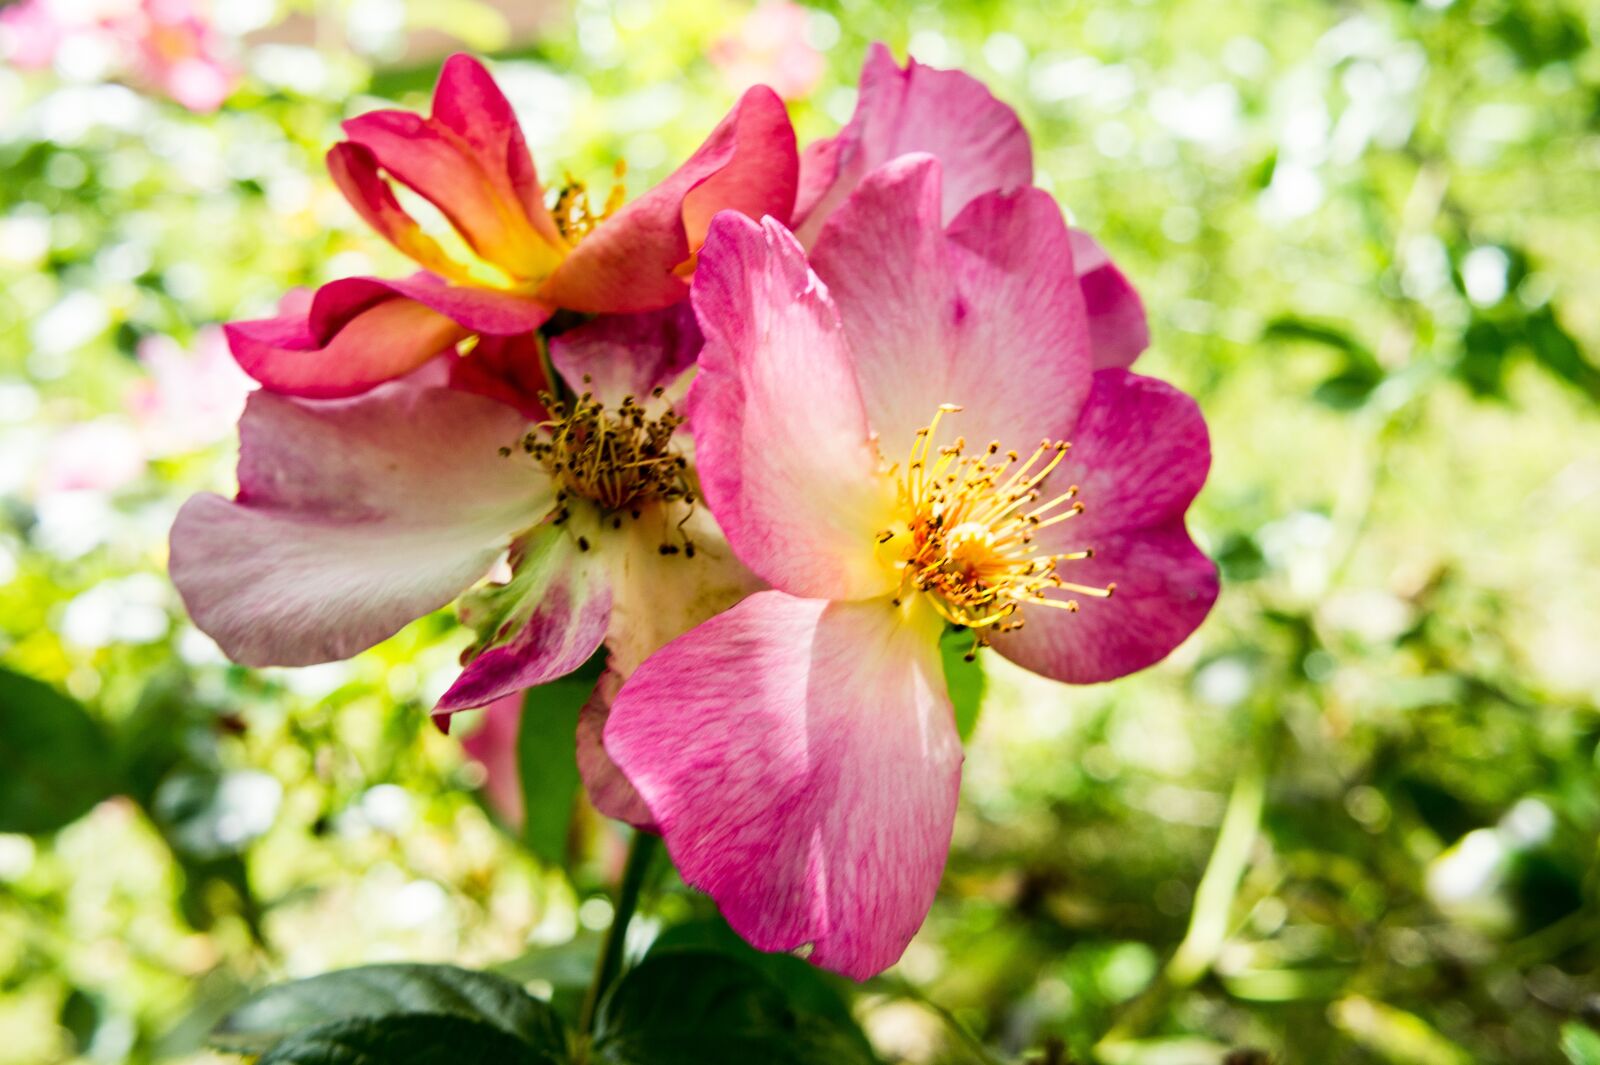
641	852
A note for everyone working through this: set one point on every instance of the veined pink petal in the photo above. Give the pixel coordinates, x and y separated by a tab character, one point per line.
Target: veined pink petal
543	624
801	759
618	355
782	441
1118	331
632	261
609	790
353	518
655	598
495	745
1139	454
361	331
977	139
986	315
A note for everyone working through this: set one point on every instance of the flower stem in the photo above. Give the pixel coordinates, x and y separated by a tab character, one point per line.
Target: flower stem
641	851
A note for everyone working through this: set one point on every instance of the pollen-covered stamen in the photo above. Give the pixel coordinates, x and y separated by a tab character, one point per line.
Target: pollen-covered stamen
575	216
617	458
968	529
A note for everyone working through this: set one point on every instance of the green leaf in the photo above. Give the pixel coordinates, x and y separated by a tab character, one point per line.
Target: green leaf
372	992
1581	1045
963	680
809	990
55	759
406	1039
701	1007
547	759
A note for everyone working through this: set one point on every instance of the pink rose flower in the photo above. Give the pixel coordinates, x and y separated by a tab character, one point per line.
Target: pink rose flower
525	259
358	515
910	431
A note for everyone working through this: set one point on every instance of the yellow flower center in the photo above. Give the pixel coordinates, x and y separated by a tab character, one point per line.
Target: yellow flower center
965	535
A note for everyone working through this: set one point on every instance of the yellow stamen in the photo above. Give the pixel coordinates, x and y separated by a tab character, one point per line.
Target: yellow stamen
965	538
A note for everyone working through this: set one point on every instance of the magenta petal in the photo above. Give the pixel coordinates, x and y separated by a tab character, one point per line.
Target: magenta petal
354	517
619	355
543	624
950	115
633	261
1118	330
986	315
786	458
361	331
1139	455
802	762
609	790
509	369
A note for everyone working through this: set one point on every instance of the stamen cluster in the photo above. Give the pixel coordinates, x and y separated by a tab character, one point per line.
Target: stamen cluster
618	459
969	527
575	216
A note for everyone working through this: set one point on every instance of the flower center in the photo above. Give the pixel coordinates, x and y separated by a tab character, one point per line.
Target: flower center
967	531
575	216
619	459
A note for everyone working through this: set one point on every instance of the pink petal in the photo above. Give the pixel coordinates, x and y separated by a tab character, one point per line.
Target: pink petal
509	369
801	759
353	518
362	331
978	140
632	261
495	745
610	792
1139	455
986	315
618	355
545	623
783	447
355	170
1118	331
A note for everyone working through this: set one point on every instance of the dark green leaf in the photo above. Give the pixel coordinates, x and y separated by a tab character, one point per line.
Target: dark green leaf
810	991
405	1039
378	991
963	680
55	759
699	1007
547	759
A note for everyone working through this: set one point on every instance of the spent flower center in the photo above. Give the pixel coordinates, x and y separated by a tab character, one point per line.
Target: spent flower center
617	458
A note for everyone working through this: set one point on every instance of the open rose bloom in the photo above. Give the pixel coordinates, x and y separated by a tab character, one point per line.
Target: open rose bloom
512	255
907	432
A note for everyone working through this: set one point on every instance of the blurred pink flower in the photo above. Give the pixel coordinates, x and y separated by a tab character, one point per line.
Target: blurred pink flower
177	49
191	398
770	48
168	45
101	455
31	33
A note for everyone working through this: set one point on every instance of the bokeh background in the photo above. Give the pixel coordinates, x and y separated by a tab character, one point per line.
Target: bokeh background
1354	819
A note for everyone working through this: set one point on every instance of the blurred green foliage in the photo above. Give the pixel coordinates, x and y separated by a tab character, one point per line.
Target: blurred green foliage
1353	820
